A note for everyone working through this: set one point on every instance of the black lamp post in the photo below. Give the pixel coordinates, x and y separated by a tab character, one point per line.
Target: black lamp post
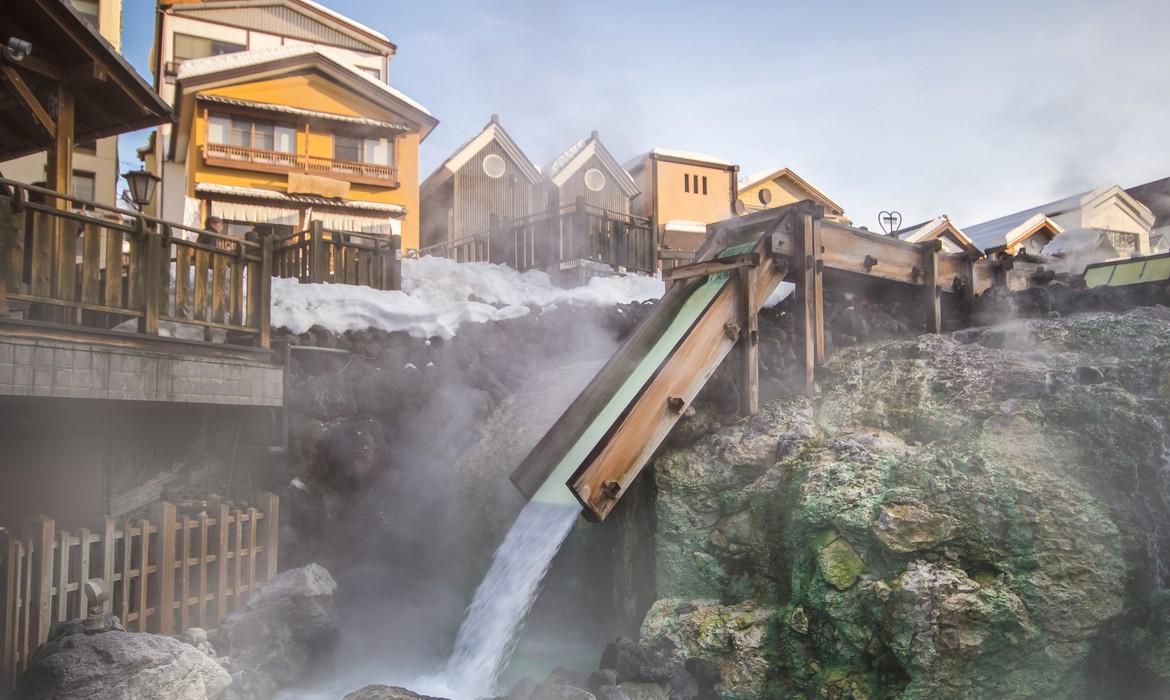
142	184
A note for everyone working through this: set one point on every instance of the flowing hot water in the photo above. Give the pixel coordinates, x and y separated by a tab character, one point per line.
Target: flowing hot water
496	615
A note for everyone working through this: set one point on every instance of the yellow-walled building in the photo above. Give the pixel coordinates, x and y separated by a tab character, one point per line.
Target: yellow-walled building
681	192
769	189
304	129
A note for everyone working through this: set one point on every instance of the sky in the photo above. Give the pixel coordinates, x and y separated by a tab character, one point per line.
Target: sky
972	109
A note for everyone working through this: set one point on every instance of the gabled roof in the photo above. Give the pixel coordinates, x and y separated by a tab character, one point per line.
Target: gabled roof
493	131
994	233
288	18
576	156
767	175
111	99
1156	197
637	161
935	228
252	66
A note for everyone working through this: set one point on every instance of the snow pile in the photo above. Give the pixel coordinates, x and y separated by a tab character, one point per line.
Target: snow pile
439	295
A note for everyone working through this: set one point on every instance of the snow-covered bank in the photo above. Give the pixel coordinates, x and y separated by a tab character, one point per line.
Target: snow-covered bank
439	295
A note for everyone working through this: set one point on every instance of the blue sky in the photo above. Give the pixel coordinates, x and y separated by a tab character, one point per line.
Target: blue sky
973	109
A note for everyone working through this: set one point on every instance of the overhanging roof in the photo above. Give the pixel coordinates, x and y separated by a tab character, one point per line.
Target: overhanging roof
768	175
577	155
110	97
493	131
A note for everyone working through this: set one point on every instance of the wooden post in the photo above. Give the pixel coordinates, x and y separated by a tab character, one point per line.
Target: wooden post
62	559
395	262
271	506
39	531
318	258
83	575
109	527
221	563
818	253
750	341
933	295
143	574
806	300
9	598
163	554
264	303
60	166
152	287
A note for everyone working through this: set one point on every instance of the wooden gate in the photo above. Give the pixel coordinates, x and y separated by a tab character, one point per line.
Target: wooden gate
165	573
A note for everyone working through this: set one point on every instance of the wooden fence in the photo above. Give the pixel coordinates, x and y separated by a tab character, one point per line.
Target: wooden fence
165	573
340	257
73	262
544	240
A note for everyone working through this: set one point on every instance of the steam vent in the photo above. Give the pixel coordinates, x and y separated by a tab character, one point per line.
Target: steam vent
368	351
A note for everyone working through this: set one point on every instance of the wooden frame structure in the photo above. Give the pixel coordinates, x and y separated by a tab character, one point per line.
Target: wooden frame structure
755	253
165	573
319	255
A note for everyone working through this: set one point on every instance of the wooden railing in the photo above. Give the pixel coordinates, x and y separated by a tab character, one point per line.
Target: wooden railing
73	262
223	154
340	257
576	232
165	573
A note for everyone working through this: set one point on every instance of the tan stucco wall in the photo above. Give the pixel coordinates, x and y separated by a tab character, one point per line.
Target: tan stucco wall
674	203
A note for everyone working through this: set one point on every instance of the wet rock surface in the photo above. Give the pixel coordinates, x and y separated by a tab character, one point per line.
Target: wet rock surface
968	515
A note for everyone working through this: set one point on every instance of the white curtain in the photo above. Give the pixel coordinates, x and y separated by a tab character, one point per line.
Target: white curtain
218	128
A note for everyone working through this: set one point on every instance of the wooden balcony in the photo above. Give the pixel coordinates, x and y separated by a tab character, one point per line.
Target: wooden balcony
319	255
261	160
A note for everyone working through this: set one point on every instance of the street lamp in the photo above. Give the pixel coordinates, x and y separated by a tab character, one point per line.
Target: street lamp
142	184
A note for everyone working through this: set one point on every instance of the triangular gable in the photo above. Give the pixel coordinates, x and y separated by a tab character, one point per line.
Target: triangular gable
1037	223
758	178
580	153
492	132
940	227
297	19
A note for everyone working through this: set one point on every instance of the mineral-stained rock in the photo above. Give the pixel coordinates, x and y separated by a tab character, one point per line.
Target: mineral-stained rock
910	527
838	562
645	691
386	692
118	665
555	691
284	626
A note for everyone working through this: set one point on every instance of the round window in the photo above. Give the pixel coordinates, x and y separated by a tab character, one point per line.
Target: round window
594	179
765	196
493	166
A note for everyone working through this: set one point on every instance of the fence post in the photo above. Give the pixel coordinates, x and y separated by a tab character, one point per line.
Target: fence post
109	528
221	562
163	554
270	504
151	279
932	293
318	256
264	303
9	597
395	258
39	530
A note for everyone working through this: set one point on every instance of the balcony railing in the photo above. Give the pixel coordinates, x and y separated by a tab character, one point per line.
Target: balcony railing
340	257
71	262
279	161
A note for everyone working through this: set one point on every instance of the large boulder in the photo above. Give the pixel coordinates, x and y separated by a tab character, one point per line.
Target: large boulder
118	665
958	516
287	624
386	692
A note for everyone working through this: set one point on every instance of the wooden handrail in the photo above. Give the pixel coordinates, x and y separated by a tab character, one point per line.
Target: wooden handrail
300	162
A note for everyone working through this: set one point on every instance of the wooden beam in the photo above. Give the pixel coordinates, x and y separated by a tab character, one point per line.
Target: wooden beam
932	293
38	65
806	301
818	290
711	267
60	166
750	342
30	100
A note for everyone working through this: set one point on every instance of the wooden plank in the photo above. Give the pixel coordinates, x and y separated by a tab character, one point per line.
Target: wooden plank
237	292
143	574
221	562
271	505
202	269
219	297
127	560
84	572
10	556
62	557
264	303
201	609
152	283
135	271
847	249
183	258
25	645
109	527
251	551
630	444
711	267
43	240
932	295
818	292
39	530
30	99
805	298
91	264
750	342
15	222
185	573
163	554
113	291
65	260
237	569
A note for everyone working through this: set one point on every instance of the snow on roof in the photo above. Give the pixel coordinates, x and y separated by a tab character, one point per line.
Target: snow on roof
437	297
564	158
286	109
910	232
996	232
577	155
681	155
494	131
257	193
686	226
243	59
758	177
347	20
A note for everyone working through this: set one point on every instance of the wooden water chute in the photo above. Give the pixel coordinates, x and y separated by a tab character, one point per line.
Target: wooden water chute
712	306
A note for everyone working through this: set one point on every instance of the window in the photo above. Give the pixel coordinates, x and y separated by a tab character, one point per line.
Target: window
187	47
372	72
686	182
594	180
84	185
89	10
355	149
704	184
235	130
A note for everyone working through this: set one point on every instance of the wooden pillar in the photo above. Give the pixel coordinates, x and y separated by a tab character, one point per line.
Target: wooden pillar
60	165
109	527
750	342
152	278
163	554
806	315
10	554
271	507
264	303
318	255
818	293
932	293
39	531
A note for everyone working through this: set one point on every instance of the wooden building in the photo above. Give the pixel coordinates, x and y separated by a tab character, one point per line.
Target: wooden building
1155	196
943	229
681	192
769	189
587	170
486	179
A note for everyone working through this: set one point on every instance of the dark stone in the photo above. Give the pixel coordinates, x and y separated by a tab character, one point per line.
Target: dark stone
1089	375
352	451
602	678
563	676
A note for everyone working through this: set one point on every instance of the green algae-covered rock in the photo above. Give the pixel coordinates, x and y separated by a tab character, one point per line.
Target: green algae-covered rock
957	516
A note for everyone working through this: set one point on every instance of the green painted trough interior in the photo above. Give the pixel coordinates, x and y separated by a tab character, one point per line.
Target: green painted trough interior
1120	273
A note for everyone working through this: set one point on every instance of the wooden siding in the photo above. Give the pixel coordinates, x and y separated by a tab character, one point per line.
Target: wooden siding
282	21
478	197
611	197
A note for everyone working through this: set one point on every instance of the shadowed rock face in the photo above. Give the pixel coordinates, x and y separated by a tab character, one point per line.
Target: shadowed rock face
958	516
